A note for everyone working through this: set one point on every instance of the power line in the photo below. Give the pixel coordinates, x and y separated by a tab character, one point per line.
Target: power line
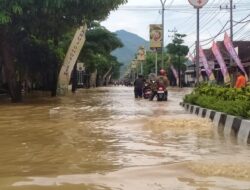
221	31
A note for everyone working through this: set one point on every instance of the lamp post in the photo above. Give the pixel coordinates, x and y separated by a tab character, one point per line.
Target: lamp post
198	4
198	47
156	61
163	2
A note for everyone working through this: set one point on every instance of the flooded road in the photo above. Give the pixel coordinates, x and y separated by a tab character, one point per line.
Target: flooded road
104	139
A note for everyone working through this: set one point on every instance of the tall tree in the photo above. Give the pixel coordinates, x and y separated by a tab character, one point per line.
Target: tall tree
45	20
177	52
97	51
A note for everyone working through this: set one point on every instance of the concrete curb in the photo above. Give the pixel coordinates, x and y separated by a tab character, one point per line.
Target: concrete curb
227	125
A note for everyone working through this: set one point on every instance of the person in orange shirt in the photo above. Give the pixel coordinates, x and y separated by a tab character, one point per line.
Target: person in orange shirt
241	80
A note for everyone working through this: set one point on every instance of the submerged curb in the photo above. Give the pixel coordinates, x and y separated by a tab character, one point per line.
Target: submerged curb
227	124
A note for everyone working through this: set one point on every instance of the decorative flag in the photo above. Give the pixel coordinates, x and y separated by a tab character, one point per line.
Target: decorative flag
191	57
175	74
70	59
221	62
230	48
134	64
204	61
155	35
141	54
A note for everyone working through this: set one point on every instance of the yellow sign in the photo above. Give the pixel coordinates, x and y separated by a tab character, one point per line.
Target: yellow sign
155	35
141	54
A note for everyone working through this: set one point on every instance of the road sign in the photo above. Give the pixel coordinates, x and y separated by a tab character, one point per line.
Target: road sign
198	3
80	67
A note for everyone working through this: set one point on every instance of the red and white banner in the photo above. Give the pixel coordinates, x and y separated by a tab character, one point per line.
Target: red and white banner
230	48
221	62
204	61
175	74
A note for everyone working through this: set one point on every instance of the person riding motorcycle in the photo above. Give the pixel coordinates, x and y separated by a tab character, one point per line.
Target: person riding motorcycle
162	81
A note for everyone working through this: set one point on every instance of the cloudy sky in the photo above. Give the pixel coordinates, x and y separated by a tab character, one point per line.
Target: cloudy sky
137	15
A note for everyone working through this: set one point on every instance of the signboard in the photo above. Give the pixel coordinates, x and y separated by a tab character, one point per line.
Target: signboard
80	67
198	3
155	35
141	54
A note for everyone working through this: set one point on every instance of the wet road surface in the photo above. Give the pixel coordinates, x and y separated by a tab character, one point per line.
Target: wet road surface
104	139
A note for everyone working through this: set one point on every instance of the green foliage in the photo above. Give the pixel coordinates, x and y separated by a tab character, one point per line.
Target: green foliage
229	100
149	67
97	50
39	32
176	47
177	52
149	64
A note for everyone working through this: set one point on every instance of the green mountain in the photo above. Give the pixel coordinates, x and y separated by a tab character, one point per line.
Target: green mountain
131	44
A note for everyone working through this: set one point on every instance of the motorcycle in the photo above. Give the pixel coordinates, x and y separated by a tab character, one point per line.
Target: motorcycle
162	93
147	91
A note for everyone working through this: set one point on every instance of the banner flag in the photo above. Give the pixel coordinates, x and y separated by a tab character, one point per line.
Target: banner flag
221	62
204	61
230	48
191	57
134	64
155	35
141	54
175	74
71	58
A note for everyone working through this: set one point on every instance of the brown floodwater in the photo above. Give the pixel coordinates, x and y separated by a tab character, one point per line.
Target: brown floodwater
104	139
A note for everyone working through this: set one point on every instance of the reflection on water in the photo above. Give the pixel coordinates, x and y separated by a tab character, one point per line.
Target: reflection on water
104	139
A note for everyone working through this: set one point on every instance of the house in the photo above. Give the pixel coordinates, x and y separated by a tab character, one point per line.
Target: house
243	49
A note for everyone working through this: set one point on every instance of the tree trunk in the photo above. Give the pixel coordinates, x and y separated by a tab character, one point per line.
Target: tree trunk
10	73
105	76
54	83
108	79
74	79
93	77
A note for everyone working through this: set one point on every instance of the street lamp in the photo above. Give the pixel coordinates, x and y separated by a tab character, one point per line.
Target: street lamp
198	4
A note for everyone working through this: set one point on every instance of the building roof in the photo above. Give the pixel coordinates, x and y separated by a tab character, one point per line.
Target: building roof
243	51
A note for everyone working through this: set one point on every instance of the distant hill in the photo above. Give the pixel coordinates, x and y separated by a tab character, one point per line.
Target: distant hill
131	44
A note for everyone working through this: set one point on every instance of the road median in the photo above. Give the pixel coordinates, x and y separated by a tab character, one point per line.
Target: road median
227	125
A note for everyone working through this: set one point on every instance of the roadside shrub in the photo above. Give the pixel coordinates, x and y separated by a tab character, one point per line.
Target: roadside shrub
229	100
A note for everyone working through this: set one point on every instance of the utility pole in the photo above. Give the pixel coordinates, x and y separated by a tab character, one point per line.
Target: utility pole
197	65
198	5
231	7
163	2
141	67
156	62
231	19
